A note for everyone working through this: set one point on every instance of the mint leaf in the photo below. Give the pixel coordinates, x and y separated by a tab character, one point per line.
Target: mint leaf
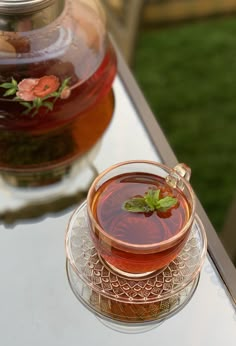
136	205
6	85
14	82
148	198
10	92
149	203
26	104
65	82
166	203
156	197
37	102
49	105
151	197
64	85
54	94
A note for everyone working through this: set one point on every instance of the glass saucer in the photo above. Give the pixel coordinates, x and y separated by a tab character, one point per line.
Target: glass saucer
133	301
127	317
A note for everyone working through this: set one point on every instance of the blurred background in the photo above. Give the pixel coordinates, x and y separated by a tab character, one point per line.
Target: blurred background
183	55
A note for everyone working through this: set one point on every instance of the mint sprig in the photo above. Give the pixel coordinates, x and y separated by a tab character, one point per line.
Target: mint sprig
149	203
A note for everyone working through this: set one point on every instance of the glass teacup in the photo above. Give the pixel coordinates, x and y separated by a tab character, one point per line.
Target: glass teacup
140	215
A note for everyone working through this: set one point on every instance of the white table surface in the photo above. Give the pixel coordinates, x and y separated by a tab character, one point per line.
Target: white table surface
37	306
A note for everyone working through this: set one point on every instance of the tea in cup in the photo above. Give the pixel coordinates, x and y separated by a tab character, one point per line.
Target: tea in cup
140	215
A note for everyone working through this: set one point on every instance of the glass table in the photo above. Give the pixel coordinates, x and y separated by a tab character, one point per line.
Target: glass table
37	304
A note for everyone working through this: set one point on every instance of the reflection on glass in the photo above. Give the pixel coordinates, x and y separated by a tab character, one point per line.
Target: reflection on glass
118	7
34	204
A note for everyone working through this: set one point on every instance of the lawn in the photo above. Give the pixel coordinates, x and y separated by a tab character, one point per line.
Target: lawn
188	75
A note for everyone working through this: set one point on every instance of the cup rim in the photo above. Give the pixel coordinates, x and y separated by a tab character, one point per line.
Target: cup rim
141	247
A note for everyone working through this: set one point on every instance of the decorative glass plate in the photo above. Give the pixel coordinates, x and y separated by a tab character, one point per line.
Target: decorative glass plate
114	297
125	317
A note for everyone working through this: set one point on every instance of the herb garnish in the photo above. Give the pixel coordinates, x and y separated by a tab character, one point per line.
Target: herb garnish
149	203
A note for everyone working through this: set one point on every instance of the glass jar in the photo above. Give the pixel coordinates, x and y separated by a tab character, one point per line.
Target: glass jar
57	66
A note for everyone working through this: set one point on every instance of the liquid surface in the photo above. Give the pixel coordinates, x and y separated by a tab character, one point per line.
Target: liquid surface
138	228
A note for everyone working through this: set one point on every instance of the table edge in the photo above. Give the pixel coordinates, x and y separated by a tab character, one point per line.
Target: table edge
216	249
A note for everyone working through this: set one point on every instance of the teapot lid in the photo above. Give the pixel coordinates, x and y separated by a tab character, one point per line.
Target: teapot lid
32	10
25	6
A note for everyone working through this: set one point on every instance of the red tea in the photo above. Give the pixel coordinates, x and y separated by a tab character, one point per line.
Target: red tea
84	94
25	150
55	90
137	228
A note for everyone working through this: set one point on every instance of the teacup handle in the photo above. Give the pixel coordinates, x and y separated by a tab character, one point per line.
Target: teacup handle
174	180
183	170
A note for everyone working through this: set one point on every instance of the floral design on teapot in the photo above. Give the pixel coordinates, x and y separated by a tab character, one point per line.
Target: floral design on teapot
35	93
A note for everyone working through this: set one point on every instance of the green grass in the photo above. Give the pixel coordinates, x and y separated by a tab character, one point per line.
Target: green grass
188	74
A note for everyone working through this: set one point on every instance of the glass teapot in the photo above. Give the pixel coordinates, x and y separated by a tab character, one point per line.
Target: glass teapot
57	66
